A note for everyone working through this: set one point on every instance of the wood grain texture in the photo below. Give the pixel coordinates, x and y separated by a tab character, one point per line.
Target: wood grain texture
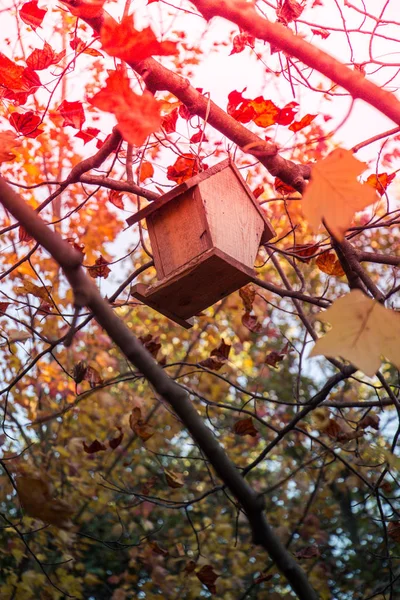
225	165
178	232
206	279
235	225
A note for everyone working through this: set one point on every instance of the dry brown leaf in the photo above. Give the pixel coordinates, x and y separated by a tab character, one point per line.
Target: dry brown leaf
35	494
328	263
174	479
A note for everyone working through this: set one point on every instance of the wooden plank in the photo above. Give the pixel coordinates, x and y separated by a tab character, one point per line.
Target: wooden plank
179	232
180	189
269	231
139	291
236	226
207	279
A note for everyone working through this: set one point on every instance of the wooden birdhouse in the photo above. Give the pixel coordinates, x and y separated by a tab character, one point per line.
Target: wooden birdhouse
205	235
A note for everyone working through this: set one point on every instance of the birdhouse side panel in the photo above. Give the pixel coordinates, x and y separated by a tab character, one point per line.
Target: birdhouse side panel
178	232
235	224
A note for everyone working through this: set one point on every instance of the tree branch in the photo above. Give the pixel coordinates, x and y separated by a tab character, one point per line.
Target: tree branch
86	293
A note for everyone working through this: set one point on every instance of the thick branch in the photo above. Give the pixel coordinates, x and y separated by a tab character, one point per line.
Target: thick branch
87	293
245	16
159	78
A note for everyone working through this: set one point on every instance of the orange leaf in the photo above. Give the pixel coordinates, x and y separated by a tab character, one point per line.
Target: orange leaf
328	263
245	427
11	74
26	123
305	251
23	235
175	480
32	15
247	294
266	112
8	140
115	198
283	188
42	59
198	137
125	42
380	182
137	116
99	269
81	48
146	171
169	121
334	194
138	426
321	32
73	114
35	495
258	191
333	429
185	167
297	125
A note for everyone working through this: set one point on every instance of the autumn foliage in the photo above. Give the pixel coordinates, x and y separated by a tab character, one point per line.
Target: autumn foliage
254	455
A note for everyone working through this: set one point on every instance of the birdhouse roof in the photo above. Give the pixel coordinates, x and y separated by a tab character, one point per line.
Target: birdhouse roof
144	213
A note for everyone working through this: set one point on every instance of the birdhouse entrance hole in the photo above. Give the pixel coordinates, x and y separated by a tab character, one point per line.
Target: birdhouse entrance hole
205	235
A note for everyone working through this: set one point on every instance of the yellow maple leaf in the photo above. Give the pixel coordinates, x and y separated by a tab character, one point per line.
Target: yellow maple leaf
334	194
362	331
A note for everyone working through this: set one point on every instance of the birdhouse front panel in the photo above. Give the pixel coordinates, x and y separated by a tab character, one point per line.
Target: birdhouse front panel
235	224
178	232
205	235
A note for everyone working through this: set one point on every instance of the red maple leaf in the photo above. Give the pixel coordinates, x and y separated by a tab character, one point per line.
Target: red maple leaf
240	108
73	114
169	121
99	269
185	166
87	135
137	116
42	59
287	113
241	41
11	74
26	123
32	15
306	120
125	42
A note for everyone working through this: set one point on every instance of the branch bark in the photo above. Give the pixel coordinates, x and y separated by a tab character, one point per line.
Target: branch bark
245	16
